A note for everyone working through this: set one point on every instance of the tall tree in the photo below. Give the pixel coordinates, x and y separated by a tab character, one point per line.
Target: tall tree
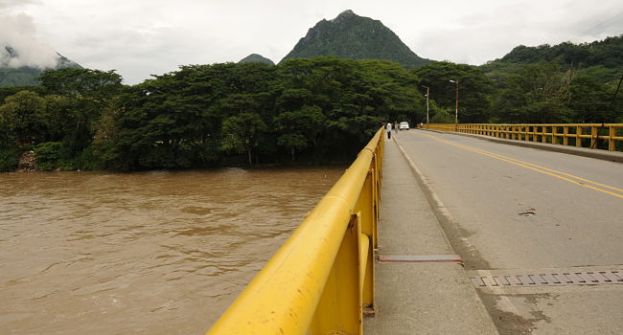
241	133
22	115
535	93
474	88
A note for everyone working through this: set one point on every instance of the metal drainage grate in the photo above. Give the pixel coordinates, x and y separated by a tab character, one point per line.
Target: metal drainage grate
540	279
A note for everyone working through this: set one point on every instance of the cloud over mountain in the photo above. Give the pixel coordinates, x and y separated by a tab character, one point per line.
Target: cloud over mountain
19	45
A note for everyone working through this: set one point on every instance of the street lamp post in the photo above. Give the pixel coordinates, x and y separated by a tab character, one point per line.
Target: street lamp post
456	111
427	108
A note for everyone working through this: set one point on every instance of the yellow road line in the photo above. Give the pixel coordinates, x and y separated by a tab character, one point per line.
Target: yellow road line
599	187
616	189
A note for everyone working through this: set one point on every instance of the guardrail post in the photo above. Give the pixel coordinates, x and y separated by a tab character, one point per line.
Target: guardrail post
611	140
554	135
578	136
367	218
338	311
349	292
565	138
594	136
524	129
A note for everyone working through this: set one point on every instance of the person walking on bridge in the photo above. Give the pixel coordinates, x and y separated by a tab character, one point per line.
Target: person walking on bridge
389	130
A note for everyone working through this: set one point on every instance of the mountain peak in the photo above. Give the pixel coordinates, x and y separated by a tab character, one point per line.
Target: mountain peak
10	51
345	15
352	36
347	12
256	58
19	68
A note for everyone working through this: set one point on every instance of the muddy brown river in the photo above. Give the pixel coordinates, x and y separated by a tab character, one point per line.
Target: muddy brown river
141	253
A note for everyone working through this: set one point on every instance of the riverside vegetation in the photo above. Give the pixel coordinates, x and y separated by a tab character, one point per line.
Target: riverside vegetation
304	110
300	111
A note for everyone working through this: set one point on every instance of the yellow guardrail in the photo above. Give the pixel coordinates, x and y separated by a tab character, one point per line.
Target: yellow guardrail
590	135
321	280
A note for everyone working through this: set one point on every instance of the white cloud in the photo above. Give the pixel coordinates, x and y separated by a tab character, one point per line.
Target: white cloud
11	4
18	35
141	37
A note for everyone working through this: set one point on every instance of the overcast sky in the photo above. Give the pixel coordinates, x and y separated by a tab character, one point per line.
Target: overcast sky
143	37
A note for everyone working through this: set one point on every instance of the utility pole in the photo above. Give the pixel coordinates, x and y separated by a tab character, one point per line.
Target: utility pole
456	110
427	108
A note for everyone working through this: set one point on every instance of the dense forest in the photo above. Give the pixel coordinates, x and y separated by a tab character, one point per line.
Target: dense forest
301	111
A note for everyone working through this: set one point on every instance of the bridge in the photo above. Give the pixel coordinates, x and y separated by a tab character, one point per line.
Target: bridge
463	235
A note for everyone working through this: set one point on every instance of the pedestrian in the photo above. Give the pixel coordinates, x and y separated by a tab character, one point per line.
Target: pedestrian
389	130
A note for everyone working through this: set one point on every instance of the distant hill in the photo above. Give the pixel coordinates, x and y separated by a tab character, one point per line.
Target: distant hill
352	36
255	58
599	59
26	75
608	53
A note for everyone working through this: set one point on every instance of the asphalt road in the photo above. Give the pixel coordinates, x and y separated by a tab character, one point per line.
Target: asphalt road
509	210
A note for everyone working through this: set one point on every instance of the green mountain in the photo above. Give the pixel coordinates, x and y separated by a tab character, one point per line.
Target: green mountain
352	36
606	53
566	82
255	58
600	60
26	75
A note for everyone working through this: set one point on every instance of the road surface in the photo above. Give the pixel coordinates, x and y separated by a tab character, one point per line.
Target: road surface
511	211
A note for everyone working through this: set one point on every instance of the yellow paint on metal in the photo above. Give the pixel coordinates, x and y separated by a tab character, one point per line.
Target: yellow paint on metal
364	242
612	133
320	280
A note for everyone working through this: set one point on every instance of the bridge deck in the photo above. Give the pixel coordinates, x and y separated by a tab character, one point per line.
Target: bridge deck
419	290
539	233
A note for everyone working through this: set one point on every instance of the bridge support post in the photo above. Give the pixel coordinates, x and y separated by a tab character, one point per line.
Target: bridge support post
578	136
349	291
554	135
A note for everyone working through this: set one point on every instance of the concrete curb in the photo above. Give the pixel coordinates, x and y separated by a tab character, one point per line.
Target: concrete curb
590	153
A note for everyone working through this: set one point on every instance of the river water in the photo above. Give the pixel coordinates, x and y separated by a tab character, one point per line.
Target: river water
157	253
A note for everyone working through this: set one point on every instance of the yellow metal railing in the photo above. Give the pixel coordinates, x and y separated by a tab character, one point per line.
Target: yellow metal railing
590	135
321	280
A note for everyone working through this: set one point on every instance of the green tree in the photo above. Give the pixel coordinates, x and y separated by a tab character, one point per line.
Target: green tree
22	115
300	128
86	94
474	89
590	101
534	93
241	133
78	82
8	149
442	116
292	142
